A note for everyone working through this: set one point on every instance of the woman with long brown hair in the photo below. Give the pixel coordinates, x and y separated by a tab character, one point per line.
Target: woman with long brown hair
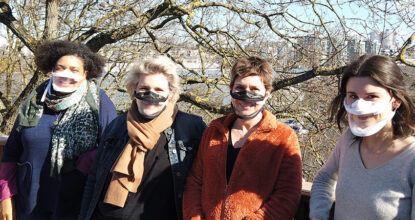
373	162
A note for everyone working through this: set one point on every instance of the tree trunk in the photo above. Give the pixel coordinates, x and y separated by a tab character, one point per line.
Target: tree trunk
10	116
51	26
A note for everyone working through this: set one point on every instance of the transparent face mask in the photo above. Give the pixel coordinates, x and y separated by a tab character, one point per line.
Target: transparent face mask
151	97
65	77
249	97
363	107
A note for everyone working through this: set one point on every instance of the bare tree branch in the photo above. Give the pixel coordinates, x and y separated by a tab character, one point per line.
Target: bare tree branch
198	101
277	85
5	101
7	18
119	33
34	81
401	55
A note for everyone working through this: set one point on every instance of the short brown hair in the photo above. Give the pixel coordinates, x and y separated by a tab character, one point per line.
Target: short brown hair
253	65
384	71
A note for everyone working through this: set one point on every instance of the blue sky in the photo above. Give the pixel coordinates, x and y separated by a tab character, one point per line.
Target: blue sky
359	18
356	17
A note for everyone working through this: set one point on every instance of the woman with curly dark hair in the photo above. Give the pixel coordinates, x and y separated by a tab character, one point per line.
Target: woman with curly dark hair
53	142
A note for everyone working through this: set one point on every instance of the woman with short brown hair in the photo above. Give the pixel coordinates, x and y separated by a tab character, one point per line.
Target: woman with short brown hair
248	165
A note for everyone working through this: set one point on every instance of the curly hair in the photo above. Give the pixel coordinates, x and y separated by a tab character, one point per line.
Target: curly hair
49	52
384	71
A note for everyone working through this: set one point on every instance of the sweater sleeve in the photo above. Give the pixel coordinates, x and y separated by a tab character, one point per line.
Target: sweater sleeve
107	113
8	185
11	154
322	191
284	200
192	195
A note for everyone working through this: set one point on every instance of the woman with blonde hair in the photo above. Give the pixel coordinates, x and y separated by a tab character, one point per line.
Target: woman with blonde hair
144	157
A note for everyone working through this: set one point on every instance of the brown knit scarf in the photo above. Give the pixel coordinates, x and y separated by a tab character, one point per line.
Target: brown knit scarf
127	171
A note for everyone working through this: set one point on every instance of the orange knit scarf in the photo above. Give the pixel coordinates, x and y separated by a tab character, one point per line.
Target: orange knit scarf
127	171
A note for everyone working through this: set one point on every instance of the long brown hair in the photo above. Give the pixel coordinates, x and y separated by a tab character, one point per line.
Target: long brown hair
384	71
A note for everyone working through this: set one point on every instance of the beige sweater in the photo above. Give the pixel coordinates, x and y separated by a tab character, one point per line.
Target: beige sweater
384	192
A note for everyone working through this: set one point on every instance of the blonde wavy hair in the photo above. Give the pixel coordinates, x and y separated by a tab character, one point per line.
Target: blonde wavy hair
159	64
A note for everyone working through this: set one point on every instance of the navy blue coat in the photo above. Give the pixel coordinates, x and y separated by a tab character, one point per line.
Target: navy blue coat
30	148
183	141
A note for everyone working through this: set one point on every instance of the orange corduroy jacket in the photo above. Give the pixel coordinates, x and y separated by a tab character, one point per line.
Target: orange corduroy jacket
265	182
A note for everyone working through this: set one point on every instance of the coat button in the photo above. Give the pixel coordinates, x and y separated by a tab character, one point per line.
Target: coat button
179	196
169	132
178	174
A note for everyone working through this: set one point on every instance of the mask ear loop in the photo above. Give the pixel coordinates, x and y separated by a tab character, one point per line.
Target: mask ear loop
391	103
47	89
398	104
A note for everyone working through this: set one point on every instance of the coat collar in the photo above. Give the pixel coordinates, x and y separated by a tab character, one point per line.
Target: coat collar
267	123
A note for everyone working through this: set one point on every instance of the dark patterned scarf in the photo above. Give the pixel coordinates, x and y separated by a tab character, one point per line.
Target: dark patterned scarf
77	130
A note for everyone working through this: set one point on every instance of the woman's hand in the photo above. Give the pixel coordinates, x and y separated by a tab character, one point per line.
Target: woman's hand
8	211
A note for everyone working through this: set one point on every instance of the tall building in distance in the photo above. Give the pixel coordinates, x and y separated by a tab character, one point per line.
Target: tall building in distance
372	47
388	40
352	47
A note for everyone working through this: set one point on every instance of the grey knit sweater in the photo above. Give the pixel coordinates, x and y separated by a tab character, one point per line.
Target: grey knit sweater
384	192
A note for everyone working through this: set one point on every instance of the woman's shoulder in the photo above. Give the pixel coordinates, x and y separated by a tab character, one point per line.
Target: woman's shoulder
187	119
280	131
120	120
216	126
405	162
346	138
188	116
270	122
117	126
282	127
104	99
222	122
106	105
409	152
